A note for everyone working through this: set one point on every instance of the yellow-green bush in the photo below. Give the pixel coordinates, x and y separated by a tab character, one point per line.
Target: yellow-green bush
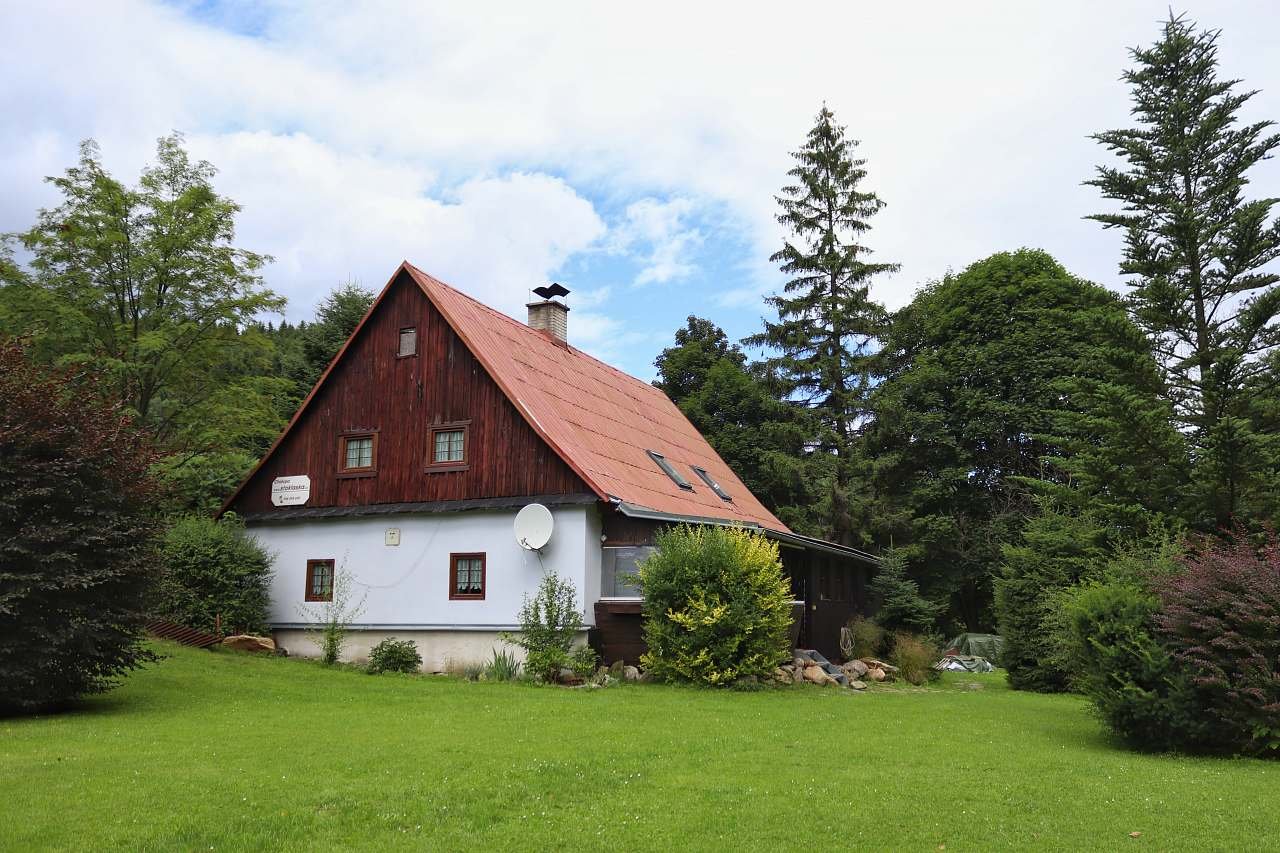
717	606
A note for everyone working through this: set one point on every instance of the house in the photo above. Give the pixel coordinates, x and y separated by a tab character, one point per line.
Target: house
435	424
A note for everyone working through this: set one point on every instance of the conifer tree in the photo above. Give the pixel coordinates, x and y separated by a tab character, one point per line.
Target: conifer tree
828	326
1196	251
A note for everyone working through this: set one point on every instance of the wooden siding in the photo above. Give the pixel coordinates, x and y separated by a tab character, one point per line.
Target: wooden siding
370	389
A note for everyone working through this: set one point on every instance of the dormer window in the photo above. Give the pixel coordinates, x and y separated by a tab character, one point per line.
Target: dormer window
706	477
408	343
670	470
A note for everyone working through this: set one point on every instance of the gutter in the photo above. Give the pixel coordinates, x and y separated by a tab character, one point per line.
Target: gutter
806	542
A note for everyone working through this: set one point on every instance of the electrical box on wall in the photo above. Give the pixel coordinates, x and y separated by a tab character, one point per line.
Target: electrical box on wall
392	536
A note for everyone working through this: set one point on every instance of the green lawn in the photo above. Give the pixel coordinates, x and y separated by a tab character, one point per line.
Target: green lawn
222	751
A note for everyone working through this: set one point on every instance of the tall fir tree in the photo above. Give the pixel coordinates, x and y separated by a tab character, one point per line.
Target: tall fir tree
1197	252
828	327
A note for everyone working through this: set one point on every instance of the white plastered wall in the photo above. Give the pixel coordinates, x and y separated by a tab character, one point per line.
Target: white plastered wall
405	587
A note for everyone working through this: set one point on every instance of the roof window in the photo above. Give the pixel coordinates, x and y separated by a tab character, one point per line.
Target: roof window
711	482
670	471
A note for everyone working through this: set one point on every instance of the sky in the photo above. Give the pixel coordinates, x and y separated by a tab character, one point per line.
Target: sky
630	152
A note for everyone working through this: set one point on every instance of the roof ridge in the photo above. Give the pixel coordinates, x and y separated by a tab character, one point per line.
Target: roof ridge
525	327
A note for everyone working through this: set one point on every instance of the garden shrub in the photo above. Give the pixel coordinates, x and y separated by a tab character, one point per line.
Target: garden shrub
1135	684
392	655
862	638
717	606
76	536
503	666
212	573
914	656
1220	619
550	623
1056	550
901	606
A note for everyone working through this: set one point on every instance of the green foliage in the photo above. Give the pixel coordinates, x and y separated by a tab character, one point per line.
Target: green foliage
213	573
1135	684
828	327
76	527
914	656
901	607
971	408
764	439
503	666
862	638
717	606
550	623
147	285
1196	253
329	622
392	655
1056	551
337	316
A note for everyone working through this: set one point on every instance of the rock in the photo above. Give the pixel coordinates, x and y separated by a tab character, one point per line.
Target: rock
816	674
857	685
855	669
876	674
630	673
873	663
646	677
797	674
615	669
250	643
782	675
799	662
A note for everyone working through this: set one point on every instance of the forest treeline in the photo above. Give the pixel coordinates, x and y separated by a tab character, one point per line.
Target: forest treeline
1011	414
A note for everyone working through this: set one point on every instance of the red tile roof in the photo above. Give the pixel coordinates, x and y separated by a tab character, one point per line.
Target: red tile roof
600	420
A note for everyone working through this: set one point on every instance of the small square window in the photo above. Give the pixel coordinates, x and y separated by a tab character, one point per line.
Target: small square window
319	580
466	576
359	454
408	343
447	447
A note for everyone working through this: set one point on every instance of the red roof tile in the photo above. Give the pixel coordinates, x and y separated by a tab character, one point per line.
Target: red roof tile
599	419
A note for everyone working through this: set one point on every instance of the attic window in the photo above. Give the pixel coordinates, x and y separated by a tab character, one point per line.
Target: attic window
670	471
358	454
408	343
711	482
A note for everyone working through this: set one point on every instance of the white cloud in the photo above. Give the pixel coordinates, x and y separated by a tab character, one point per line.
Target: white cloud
974	119
657	233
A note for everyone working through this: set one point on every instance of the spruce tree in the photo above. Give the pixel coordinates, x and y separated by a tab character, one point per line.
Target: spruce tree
1196	251
828	327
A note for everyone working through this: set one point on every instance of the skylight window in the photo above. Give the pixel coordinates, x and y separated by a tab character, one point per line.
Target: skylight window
711	482
670	471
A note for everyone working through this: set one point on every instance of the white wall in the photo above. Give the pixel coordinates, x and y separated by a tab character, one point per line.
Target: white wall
407	585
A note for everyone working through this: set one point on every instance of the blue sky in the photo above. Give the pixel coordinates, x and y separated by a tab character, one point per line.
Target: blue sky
631	153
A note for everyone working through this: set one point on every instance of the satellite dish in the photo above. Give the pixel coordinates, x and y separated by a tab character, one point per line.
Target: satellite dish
533	527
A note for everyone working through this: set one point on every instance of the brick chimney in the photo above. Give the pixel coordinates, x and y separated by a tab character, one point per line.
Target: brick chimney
549	315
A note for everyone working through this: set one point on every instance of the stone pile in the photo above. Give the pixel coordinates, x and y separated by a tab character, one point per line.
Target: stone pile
809	666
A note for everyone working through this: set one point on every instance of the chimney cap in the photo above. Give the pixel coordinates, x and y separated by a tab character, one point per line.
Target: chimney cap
553	290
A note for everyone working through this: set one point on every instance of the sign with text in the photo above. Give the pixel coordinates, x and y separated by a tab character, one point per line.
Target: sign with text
291	491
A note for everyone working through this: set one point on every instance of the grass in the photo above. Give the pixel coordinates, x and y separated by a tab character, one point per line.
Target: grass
223	751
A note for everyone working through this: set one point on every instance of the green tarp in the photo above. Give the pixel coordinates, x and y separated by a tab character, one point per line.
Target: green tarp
987	646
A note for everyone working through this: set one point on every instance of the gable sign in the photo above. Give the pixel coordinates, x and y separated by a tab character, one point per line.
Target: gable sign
291	491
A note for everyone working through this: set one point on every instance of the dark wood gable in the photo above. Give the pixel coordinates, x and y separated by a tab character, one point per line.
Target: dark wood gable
374	390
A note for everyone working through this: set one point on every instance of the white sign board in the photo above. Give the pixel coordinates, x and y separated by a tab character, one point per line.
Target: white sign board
392	536
291	491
